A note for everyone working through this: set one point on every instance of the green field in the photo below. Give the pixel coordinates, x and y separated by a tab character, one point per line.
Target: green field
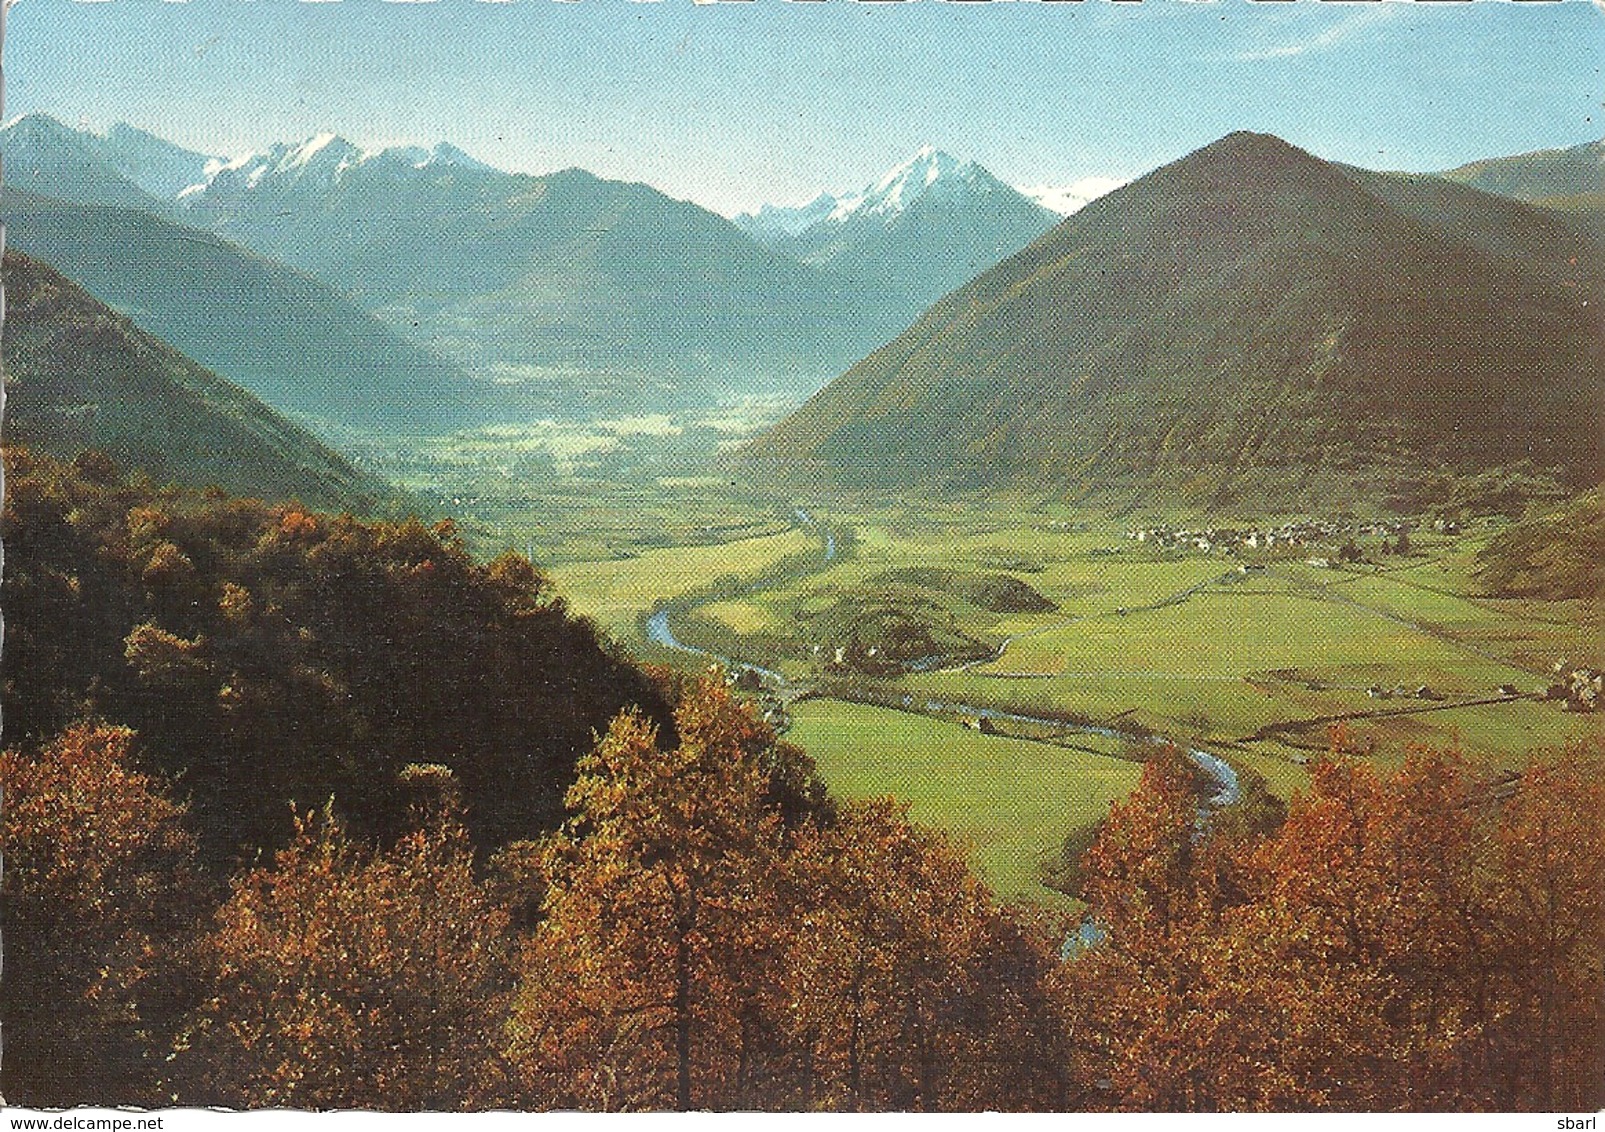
1011	802
616	592
1253	665
566	492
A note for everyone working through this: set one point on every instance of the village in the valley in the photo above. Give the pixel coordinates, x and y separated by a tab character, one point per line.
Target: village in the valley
1338	537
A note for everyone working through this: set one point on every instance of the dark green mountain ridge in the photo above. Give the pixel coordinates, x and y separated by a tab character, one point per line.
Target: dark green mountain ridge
1246	323
80	376
284	336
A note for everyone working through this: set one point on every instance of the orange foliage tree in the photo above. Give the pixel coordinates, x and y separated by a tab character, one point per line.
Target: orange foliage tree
99	891
1549	921
349	977
697	950
1161	1010
1402	942
905	987
637	978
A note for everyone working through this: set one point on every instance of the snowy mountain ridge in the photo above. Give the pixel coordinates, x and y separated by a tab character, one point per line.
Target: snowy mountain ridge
930	175
320	160
1066	199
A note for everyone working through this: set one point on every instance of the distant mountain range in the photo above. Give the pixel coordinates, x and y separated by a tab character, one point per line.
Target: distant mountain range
571	294
79	376
926	227
289	339
1249	322
159	167
1541	176
1249	319
607	288
46	158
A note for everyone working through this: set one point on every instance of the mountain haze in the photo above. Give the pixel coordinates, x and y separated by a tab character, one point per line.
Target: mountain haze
1545	173
567	294
571	295
45	157
566	281
287	338
78	376
1570	180
154	164
1247	322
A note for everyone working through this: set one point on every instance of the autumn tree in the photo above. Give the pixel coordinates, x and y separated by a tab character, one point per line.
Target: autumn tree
638	976
1379	897
354	977
1321	967
1156	1005
268	654
1403	941
1548	921
905	987
706	941
100	888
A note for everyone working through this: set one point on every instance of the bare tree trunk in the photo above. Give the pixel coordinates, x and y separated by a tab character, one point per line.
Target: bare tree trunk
854	1068
682	1023
808	1071
684	923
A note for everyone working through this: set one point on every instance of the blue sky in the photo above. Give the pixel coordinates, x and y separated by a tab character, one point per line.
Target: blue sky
734	104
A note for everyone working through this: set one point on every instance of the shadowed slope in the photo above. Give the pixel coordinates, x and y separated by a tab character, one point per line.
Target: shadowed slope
80	376
1246	322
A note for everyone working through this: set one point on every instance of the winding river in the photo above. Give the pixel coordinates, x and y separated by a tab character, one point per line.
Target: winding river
657	622
659	633
1227	791
1088	933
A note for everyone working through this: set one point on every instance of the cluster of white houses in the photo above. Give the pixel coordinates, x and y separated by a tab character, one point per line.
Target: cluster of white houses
1292	535
1579	688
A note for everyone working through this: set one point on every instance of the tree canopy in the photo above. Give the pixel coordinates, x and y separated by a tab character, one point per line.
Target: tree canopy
269	655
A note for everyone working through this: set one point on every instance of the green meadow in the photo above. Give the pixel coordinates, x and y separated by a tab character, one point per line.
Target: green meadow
616	592
1038	611
1009	801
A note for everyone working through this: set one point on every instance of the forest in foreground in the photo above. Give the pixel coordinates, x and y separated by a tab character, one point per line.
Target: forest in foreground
310	812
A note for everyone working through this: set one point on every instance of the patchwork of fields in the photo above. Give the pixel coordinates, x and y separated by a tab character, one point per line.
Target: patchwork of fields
616	592
1064	617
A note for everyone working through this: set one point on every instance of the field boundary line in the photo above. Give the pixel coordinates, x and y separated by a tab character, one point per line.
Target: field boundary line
1271	730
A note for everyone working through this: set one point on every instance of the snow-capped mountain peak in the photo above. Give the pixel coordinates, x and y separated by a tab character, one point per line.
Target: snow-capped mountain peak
928	172
776	220
304	153
421	157
930	191
1065	199
926	167
319	162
